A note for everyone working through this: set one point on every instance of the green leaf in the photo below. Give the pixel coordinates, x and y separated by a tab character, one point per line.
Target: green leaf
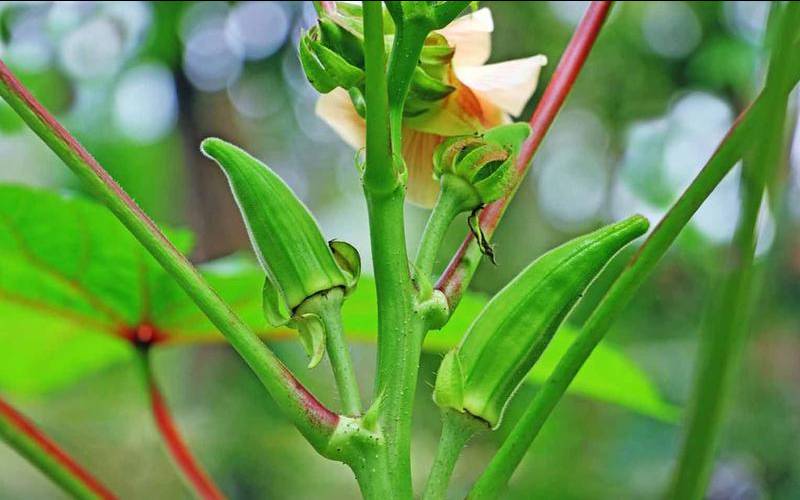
72	279
74	284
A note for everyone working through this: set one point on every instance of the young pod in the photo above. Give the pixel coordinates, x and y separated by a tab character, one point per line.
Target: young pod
298	262
480	376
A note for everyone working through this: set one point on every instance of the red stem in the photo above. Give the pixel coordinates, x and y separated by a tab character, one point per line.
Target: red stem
192	470
456	276
47	445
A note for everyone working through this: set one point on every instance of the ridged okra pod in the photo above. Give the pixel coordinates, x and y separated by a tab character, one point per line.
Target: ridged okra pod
479	377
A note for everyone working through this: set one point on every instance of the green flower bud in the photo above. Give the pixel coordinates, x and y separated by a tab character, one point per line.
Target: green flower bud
480	376
299	263
326	68
436	55
481	168
424	91
342	41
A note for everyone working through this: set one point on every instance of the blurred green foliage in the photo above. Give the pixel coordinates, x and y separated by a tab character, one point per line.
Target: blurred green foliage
657	93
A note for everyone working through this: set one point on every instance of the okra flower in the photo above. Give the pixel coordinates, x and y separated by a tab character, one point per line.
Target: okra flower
480	97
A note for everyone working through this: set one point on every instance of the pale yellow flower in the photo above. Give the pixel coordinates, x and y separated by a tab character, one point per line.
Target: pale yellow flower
485	96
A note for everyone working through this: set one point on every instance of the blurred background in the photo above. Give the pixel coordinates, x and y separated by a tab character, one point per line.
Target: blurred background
141	83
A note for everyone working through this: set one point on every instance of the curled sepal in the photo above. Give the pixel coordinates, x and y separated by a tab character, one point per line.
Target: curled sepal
448	392
349	262
511	332
342	41
274	304
311	330
359	103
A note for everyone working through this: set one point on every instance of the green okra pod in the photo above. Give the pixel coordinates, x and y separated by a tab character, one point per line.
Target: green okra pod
480	376
298	262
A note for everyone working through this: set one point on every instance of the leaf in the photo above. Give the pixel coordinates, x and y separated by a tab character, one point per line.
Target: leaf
72	279
73	284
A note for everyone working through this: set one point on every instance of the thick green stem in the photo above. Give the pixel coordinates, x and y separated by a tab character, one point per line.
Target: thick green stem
457	429
398	349
379	171
314	421
502	466
399	344
328	307
373	474
39	450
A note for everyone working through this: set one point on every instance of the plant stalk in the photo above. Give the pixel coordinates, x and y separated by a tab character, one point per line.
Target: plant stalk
448	206
316	422
457	429
329	309
397	362
193	473
30	442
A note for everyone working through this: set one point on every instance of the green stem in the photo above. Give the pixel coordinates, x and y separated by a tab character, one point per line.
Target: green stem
45	455
408	41
457	429
373	475
720	351
398	349
379	173
724	339
314	421
502	466
328	307
449	204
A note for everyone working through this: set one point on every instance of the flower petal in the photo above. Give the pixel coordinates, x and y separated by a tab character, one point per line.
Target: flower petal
463	112
471	35
336	109
509	85
418	150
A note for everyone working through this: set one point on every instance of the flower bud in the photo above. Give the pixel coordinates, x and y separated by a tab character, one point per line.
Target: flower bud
436	55
299	263
481	374
481	166
342	41
327	68
423	92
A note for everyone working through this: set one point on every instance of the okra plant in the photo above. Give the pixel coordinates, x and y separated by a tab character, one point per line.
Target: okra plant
406	84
